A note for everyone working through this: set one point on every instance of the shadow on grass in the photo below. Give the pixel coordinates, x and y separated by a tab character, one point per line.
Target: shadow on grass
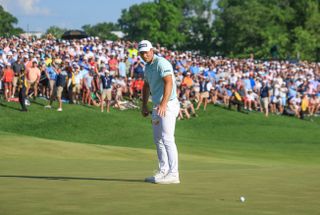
37	103
7	106
231	109
63	178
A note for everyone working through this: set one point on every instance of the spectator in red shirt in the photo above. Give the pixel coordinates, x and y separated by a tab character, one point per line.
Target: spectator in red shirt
113	65
137	86
7	79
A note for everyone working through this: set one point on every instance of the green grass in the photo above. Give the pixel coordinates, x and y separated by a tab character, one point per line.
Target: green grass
82	161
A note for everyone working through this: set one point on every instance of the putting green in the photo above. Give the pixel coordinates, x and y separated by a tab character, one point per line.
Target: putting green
40	176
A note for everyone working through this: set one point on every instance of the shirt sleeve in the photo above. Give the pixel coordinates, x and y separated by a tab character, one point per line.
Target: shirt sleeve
165	68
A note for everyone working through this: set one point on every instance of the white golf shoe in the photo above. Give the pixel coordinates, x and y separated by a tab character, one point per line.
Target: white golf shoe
158	176
171	178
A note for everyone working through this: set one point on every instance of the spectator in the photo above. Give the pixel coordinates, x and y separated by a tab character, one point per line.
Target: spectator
44	82
22	86
77	87
113	64
313	103
277	105
186	108
18	68
61	81
285	79
187	83
205	86
88	83
264	94
235	99
304	106
106	95
138	69
52	76
295	105
122	68
33	78
7	79
137	87
250	100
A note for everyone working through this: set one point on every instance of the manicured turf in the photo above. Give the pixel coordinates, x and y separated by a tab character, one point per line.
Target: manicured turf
274	163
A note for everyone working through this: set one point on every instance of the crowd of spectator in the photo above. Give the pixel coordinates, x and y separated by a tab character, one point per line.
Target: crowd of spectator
106	73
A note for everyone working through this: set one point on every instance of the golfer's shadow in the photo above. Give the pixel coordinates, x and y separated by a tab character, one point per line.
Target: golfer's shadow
64	178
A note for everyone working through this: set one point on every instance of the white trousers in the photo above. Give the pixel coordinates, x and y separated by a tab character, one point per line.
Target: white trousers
163	134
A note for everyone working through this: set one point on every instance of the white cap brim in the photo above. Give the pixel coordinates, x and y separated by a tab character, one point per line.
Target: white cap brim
145	46
144	49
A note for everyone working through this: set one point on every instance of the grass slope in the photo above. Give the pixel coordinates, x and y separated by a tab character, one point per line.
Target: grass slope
273	162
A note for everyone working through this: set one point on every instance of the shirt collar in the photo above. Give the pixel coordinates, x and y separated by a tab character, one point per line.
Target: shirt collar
155	58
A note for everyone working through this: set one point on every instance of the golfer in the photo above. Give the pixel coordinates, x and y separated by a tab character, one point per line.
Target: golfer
160	81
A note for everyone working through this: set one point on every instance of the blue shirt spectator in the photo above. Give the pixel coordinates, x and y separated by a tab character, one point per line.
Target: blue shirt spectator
51	73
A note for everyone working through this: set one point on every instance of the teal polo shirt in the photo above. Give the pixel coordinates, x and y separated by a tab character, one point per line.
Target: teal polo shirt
154	74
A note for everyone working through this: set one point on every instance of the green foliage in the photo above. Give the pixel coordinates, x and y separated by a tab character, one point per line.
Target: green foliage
102	30
306	34
254	26
234	28
7	22
197	24
183	24
56	31
305	43
158	22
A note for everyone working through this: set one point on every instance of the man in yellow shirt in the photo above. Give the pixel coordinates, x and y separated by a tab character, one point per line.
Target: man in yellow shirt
304	105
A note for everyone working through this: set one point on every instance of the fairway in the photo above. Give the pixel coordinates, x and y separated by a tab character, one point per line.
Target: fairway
83	162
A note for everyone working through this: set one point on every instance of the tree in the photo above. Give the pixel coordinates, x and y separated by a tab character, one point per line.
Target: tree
157	21
197	24
255	26
306	29
251	26
7	22
56	31
184	24
102	30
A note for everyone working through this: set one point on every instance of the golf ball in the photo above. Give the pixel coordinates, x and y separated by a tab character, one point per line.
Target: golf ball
242	199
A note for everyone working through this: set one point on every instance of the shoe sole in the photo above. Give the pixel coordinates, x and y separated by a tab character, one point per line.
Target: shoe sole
167	182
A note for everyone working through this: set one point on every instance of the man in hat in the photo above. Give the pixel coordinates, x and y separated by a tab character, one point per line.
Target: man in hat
17	67
160	81
106	91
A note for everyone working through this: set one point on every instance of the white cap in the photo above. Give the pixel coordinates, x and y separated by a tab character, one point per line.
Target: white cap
145	46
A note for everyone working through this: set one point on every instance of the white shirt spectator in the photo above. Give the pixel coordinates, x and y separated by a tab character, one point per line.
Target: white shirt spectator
250	96
283	91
